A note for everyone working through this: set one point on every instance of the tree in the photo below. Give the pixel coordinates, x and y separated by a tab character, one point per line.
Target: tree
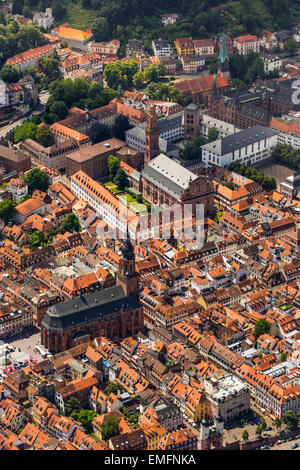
263	424
110	428
218	216
192	149
290	419
85	417
10	74
245	435
161	69
258	430
213	134
213	65
27	130
113	165
7	210
121	179
44	136
283	356
121	126
100	29
261	327
64	44
230	185
70	224
58	110
138	79
72	405
151	73
113	387
277	423
98	132
291	46
121	73
37	179
49	65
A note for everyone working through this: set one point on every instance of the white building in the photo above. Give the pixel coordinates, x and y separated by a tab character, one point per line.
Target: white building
44	19
288	132
4	96
271	62
162	48
248	146
170	18
18	188
224	128
228	395
246	43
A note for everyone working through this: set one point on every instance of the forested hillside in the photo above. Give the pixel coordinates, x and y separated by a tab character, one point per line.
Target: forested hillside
126	19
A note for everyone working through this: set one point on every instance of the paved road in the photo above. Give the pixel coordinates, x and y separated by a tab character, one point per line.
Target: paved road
39	109
286	445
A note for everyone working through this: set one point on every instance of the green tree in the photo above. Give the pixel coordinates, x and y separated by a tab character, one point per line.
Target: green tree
100	29
44	136
245	435
283	356
27	130
98	132
7	210
192	149
113	166
138	80
49	65
10	74
213	134
110	428
85	417
218	216
72	405
277	423
121	125
213	65
120	74
290	419
113	387
64	44
291	46
151	73
70	224
58	110
37	179
121	179
263	424
259	430
261	327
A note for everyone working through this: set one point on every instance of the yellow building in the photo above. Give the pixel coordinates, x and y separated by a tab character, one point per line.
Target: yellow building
154	435
184	46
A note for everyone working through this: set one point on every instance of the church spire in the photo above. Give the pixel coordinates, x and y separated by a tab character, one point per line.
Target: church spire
127	248
223	49
223	56
214	89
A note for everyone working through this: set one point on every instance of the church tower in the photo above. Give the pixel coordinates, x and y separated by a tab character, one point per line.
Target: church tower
223	63
152	136
127	276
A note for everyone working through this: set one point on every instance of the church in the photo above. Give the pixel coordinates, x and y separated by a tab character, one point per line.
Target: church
114	312
164	182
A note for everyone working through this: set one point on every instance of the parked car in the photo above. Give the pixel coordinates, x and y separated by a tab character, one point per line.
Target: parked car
294	446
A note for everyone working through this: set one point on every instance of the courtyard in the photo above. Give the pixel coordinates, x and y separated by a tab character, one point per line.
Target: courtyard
20	350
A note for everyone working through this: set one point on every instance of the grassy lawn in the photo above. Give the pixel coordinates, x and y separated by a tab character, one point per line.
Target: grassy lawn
138	207
127	198
113	187
78	17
